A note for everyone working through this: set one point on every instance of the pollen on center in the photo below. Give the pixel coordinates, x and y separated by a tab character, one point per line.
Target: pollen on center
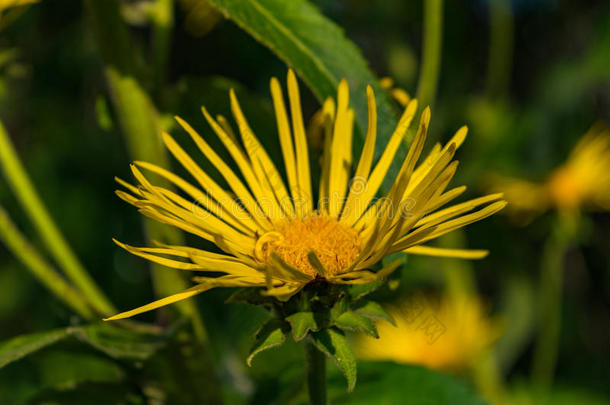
336	245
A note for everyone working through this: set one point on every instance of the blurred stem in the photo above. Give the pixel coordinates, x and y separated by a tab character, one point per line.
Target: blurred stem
500	48
48	230
550	293
489	378
163	21
316	374
461	284
139	122
431	54
34	262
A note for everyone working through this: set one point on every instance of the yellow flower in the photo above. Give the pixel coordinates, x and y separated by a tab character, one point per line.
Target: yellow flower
398	94
271	234
6	4
447	336
582	182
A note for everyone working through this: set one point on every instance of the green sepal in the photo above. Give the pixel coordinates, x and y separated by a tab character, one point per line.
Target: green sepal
137	343
301	323
359	291
332	342
316	263
339	308
373	310
271	334
355	322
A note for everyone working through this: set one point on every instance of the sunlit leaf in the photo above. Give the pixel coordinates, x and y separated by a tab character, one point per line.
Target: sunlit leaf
318	51
270	335
332	342
356	322
374	310
301	323
21	346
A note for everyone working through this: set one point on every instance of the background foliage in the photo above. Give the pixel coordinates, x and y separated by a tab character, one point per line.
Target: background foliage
528	82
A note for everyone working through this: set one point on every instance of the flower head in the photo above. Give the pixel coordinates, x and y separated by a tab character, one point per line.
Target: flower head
267	227
581	182
447	336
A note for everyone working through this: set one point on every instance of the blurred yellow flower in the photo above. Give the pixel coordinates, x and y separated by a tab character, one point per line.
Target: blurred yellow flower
5	4
271	234
201	16
446	335
400	95
582	182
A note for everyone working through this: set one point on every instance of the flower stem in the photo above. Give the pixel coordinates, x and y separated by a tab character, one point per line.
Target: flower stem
500	48
316	374
431	54
551	280
25	192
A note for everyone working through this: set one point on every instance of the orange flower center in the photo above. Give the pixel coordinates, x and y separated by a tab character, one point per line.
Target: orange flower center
335	244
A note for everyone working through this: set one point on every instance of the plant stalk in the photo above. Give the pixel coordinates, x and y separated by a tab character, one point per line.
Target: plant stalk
550	307
431	53
316	374
43	271
501	26
49	232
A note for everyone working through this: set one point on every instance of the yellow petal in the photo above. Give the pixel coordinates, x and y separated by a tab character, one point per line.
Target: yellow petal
462	221
152	255
276	204
283	128
441	252
328	114
458	209
341	151
205	181
304	199
374	181
358	182
235	217
227	173
163	302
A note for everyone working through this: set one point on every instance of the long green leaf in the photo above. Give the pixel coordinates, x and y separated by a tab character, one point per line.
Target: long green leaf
21	346
318	51
115	342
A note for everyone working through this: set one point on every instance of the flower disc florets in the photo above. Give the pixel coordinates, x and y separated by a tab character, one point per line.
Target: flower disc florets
337	246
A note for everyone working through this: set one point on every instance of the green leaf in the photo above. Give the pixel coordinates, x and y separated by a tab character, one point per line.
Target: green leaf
362	290
340	307
356	322
270	335
374	310
21	346
301	323
318	51
383	383
121	343
332	342
113	341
